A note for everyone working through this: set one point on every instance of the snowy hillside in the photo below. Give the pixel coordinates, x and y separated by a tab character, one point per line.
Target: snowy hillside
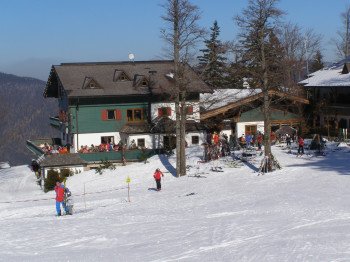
300	213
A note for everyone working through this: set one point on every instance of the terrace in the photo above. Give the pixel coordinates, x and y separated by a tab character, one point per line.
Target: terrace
39	148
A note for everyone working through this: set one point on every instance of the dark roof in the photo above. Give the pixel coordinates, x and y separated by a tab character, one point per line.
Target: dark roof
62	160
73	76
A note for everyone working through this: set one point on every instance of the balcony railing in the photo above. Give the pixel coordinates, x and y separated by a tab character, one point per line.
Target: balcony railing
94	157
116	156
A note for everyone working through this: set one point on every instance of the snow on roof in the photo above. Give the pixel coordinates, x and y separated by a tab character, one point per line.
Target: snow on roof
329	76
222	97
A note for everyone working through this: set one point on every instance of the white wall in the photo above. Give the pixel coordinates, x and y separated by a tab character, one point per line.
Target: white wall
156	140
195	116
241	127
151	140
147	137
93	138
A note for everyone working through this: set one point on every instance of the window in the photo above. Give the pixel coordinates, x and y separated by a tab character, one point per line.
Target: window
135	114
195	140
169	142
141	142
123	77
107	139
164	111
250	130
110	114
120	75
189	110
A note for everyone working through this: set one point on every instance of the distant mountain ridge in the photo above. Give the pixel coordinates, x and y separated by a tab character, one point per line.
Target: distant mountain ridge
24	114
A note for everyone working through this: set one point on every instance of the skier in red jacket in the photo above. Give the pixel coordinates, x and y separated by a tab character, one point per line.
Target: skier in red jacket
301	146
157	176
59	189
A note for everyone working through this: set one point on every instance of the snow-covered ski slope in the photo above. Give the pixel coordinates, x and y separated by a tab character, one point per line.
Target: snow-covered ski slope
299	213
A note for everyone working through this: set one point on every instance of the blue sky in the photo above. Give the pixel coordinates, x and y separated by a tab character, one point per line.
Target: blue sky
38	33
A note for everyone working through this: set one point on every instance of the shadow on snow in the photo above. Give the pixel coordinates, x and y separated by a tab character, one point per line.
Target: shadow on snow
165	161
338	161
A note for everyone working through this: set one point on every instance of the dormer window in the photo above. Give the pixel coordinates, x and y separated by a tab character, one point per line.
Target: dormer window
123	77
120	75
90	83
140	80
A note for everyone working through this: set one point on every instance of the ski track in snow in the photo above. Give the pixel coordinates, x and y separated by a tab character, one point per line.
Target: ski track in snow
298	213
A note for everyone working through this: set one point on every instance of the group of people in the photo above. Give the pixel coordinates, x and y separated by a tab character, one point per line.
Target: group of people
251	140
50	149
216	146
108	147
103	147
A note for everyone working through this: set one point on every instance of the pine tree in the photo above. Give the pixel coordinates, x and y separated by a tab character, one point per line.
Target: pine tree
317	62
213	61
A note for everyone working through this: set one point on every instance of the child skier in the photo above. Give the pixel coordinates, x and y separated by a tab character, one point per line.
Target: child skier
59	189
301	146
68	200
157	176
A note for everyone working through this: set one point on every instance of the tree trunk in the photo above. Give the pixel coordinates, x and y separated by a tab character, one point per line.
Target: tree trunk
178	137
177	86
183	134
266	101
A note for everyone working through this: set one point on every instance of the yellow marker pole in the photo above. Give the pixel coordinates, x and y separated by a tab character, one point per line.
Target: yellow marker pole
128	180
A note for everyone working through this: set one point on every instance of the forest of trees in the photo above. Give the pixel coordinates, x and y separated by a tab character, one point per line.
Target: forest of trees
267	53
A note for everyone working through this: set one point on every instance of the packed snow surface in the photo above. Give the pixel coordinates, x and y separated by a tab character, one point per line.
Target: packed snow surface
298	213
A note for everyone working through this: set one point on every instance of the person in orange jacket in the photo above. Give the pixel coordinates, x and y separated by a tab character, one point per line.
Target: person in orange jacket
59	189
157	176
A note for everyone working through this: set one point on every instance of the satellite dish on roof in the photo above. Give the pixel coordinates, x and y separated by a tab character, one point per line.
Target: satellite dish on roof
131	57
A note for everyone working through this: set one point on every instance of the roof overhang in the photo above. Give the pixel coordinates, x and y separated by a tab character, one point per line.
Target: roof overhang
237	105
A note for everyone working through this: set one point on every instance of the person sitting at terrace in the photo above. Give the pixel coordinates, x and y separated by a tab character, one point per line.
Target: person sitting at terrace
63	150
132	144
54	150
101	148
81	149
115	147
85	149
